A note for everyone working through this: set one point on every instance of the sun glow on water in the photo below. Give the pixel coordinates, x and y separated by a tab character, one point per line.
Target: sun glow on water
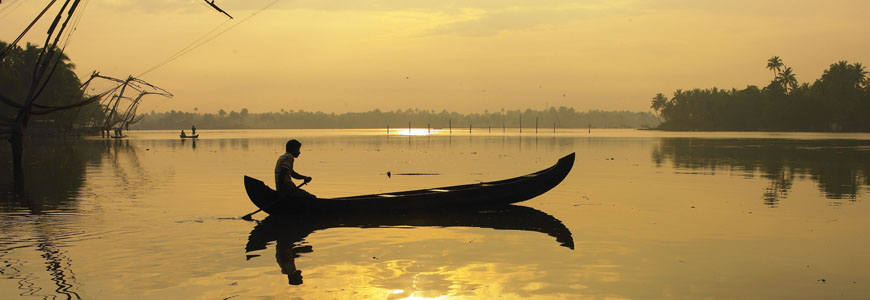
412	297
411	131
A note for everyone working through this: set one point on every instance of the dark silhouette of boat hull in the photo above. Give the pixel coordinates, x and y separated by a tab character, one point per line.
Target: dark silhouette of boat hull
460	197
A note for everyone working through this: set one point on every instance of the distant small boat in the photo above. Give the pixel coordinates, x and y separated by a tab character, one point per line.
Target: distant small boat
189	136
119	136
460	197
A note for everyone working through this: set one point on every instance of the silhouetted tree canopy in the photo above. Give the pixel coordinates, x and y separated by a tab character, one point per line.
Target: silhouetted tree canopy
64	88
838	101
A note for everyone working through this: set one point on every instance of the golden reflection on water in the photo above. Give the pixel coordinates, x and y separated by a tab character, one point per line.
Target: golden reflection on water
650	215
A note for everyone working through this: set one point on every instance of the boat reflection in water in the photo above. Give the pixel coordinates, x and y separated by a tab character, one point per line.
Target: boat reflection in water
288	231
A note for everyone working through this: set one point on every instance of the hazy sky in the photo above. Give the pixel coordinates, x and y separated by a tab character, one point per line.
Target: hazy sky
465	56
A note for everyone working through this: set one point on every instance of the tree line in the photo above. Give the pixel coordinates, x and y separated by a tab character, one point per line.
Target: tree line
838	101
50	110
562	117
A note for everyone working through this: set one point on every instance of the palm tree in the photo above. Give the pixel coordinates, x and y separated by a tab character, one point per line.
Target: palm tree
787	79
845	75
659	102
861	74
774	64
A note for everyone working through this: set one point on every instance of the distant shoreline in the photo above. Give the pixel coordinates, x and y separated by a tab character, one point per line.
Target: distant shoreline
562	117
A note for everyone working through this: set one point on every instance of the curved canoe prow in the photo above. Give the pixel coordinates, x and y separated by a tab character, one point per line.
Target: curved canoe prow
563	167
567	160
469	196
259	193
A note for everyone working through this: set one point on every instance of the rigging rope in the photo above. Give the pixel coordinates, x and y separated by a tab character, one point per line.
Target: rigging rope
10	47
201	4
90	100
161	92
194	45
11	7
74	105
183	51
10	102
60	54
78	18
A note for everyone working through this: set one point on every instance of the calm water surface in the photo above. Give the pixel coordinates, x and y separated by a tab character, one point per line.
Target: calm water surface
643	215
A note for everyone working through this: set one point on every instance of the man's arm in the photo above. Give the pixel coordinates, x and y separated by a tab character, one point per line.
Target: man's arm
299	176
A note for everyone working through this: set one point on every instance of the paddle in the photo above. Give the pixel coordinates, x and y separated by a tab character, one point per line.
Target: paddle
248	216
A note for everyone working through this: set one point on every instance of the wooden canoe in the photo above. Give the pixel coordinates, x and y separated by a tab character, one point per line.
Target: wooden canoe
460	197
189	136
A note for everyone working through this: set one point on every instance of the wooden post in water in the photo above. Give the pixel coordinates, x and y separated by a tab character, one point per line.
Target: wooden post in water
428	128
521	124
409	128
502	127
490	128
469	128
536	125
450	124
554	127
388	130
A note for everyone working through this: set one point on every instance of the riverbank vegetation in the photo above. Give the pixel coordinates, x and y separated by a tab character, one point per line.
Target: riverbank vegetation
562	117
59	107
838	101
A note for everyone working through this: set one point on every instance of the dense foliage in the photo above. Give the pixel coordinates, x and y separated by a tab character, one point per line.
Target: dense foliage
562	117
63	88
838	101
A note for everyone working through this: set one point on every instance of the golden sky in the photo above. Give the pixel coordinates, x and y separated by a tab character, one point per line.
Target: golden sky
465	56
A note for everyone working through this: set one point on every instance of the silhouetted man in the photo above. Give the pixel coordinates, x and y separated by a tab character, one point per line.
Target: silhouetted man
284	172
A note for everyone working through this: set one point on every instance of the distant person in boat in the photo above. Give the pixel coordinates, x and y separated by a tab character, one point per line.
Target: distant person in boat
192	129
182	133
284	172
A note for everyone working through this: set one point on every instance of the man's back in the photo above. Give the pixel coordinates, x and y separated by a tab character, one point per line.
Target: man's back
283	169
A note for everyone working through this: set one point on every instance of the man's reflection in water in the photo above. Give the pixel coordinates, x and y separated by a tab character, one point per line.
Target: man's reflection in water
286	253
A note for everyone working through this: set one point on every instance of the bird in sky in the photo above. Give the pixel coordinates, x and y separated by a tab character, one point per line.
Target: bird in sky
217	8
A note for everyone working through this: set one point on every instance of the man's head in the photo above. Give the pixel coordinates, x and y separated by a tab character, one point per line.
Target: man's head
293	147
